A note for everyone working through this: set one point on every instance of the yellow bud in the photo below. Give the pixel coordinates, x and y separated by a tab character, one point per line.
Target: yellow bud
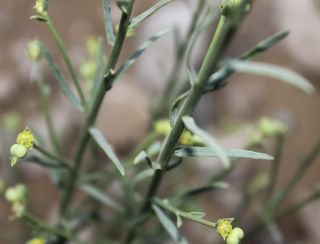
270	127
18	151
16	193
88	70
186	138
232	239
34	51
238	232
41	7
36	241
162	127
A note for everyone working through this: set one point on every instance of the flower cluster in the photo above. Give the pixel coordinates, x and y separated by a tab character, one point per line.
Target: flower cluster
16	195
41	7
229	234
25	141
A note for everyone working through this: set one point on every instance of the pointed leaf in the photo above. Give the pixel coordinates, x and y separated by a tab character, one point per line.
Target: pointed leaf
131	60
140	157
208	152
211	187
208	139
168	225
104	145
265	45
141	17
108	22
174	109
61	80
101	197
179	221
272	71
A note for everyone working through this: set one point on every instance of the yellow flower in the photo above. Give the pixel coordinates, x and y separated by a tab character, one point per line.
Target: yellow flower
36	240
26	138
40	7
224	228
162	127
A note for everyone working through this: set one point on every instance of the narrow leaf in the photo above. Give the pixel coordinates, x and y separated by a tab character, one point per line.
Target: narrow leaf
174	109
179	221
108	22
61	80
140	157
204	189
208	139
168	225
141	17
209	152
101	197
265	45
272	71
131	60
104	145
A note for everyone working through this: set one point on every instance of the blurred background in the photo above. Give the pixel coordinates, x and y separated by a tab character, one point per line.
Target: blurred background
245	100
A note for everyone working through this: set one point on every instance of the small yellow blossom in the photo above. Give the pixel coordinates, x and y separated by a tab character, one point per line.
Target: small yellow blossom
224	228
162	127
26	138
36	240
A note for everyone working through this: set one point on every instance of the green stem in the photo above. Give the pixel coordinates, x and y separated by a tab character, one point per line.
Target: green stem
44	94
37	224
274	172
220	40
184	214
51	156
166	97
304	165
67	60
104	86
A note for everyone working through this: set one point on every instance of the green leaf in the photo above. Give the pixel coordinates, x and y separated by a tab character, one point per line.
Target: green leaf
141	17
101	197
131	60
57	73
168	225
272	71
104	145
208	139
108	22
143	175
174	109
140	157
99	70
265	45
200	190
209	152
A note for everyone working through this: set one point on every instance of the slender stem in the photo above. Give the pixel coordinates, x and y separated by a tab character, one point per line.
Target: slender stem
44	94
67	60
166	97
219	42
51	156
304	165
184	214
104	86
274	172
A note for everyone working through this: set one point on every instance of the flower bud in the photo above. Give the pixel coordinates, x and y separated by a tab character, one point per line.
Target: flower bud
41	7
232	239
238	232
36	240
162	127
34	51
16	193
186	138
224	228
18	151
26	138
